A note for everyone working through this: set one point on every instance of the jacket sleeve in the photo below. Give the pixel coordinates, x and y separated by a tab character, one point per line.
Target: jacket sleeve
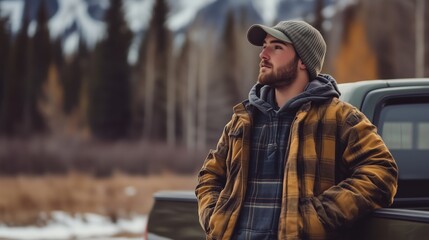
371	181
212	179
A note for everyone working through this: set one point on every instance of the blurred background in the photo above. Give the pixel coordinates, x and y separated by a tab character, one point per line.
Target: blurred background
103	103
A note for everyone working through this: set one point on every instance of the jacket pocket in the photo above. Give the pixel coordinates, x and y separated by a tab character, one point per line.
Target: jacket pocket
220	217
313	226
205	218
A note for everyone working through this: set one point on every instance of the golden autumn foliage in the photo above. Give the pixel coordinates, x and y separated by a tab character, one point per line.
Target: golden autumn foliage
51	104
355	60
51	107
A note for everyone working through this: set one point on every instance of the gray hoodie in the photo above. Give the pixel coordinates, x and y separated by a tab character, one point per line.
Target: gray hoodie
322	88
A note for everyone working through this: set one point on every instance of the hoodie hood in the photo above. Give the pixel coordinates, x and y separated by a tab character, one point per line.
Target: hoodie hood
322	88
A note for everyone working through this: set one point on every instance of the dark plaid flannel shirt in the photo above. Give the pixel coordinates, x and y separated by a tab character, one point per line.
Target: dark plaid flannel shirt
259	216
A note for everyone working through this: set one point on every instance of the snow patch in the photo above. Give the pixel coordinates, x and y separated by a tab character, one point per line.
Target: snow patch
64	226
75	12
138	13
13	11
71	43
267	10
32	27
185	13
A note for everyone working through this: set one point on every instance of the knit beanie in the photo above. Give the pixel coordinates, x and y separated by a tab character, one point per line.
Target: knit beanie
307	41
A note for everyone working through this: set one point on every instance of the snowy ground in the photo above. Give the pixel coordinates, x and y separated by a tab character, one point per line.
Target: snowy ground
82	227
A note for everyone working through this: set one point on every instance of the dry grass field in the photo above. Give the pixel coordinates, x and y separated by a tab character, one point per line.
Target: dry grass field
25	199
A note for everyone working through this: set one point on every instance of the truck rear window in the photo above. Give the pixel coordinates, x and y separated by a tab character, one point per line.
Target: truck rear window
405	129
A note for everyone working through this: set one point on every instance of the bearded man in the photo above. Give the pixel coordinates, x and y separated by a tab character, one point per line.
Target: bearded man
294	162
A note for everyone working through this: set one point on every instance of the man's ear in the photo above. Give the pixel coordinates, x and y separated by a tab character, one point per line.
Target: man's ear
301	65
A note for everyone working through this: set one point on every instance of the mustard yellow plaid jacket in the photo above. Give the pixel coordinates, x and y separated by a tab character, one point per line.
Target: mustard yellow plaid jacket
337	169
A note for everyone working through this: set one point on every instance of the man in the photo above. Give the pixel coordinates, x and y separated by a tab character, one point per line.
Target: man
294	162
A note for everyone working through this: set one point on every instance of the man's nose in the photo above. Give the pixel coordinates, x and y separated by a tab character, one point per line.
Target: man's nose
264	54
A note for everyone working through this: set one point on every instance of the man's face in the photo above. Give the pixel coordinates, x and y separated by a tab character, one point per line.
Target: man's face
279	63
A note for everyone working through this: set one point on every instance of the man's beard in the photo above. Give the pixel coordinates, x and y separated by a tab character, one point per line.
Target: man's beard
284	76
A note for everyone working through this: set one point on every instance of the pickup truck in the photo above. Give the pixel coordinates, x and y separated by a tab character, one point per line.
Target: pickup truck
400	110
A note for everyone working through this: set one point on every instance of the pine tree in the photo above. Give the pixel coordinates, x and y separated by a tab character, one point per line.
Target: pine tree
39	59
182	78
72	77
318	21
4	51
224	83
11	115
109	90
156	68
188	66
229	54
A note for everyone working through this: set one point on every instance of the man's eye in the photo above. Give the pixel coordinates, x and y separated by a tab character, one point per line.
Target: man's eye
278	47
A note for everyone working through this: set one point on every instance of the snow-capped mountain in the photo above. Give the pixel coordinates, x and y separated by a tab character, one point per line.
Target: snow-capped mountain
13	10
73	20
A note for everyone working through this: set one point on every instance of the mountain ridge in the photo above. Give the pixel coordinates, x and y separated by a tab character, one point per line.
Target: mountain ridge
74	20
